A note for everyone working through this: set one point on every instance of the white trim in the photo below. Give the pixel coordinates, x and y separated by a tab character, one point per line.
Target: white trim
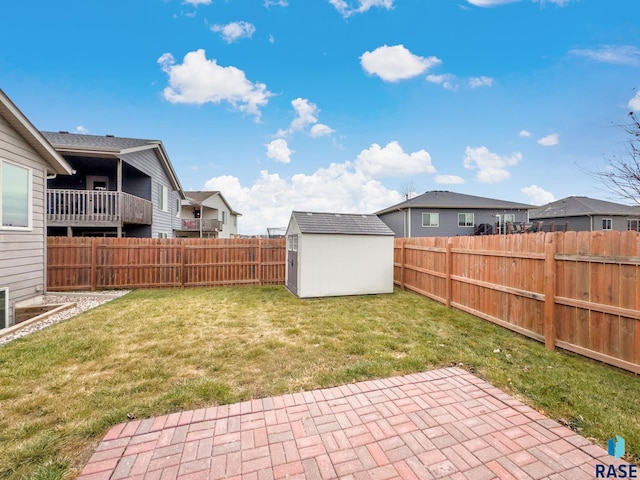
29	226
610	221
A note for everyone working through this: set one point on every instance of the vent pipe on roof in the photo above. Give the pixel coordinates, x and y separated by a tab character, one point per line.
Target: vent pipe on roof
63	131
109	135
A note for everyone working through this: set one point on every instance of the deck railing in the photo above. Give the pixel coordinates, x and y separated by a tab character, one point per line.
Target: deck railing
77	207
208	225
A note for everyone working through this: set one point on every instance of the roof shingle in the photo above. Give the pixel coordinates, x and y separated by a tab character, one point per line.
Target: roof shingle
341	223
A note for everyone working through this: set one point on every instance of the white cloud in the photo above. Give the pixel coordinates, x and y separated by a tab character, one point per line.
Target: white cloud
340	187
525	133
280	3
549	140
537	195
195	3
198	80
82	130
476	82
272	39
395	63
361	6
446	80
320	130
634	103
449	179
392	161
614	54
268	202
492	168
306	116
278	150
234	31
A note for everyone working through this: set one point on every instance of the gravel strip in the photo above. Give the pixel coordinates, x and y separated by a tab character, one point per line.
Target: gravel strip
83	301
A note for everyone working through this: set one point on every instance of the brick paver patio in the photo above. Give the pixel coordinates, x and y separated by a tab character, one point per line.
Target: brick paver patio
440	424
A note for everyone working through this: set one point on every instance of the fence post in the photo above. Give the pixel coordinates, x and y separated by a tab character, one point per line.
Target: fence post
549	291
182	263
259	266
448	266
94	260
402	262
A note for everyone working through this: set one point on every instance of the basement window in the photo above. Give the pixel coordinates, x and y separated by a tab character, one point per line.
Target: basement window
4	307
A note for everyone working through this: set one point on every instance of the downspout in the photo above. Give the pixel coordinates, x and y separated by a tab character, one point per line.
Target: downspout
409	214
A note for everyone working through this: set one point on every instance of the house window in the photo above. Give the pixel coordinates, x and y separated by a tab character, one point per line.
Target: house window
224	218
15	196
4	307
430	219
163	235
509	217
633	224
163	198
465	219
606	223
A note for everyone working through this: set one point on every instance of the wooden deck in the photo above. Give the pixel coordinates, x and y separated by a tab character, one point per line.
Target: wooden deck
96	208
200	225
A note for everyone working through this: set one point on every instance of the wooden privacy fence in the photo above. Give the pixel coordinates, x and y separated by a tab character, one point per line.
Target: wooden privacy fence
103	263
575	290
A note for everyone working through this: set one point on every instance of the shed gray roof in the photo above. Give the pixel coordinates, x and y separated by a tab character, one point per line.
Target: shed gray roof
61	140
341	223
581	206
446	199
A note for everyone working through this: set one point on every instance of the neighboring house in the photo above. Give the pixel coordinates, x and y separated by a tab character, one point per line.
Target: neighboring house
121	187
26	160
331	254
586	214
207	214
448	214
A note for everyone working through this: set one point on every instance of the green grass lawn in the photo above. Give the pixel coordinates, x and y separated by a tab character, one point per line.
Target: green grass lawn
158	351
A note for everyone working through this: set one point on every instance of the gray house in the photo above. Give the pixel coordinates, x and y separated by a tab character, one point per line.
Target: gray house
587	214
26	161
448	214
120	187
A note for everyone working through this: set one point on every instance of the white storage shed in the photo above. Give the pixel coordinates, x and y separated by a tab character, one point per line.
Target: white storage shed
334	254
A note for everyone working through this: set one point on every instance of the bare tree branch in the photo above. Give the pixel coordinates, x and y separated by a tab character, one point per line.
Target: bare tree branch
622	173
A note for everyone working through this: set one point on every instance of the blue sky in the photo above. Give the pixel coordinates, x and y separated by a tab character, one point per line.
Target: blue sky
339	105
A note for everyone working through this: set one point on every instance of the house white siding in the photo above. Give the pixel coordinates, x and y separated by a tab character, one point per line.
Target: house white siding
22	252
229	226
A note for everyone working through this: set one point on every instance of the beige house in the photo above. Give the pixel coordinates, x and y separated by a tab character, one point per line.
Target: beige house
27	159
207	214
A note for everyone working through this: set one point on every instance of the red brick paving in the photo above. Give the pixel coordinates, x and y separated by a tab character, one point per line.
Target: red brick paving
440	424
